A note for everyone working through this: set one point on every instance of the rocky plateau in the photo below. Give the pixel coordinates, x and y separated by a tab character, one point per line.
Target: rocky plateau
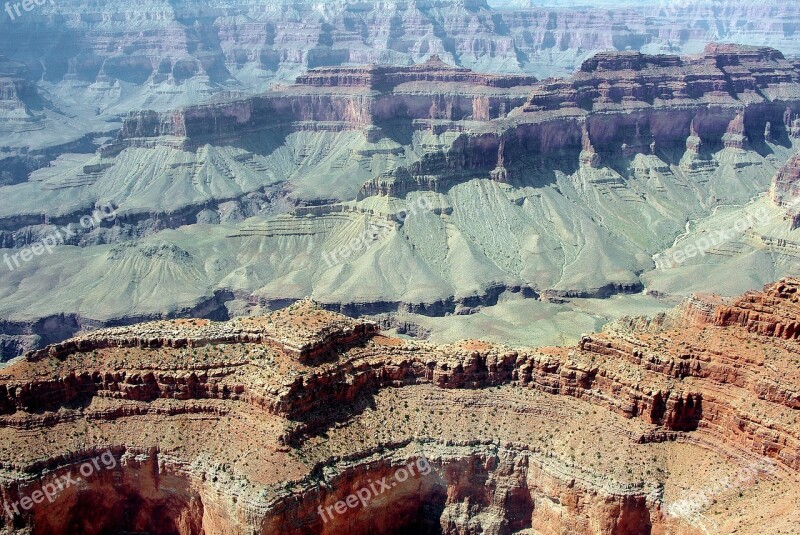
255	425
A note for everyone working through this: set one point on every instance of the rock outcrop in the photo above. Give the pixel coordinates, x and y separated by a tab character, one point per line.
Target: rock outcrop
385	78
623	104
227	428
20	110
785	190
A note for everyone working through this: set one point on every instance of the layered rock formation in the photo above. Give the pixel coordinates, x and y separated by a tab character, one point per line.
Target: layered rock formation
724	98
439	157
349	98
105	60
194	41
16	93
623	104
224	428
785	191
384	78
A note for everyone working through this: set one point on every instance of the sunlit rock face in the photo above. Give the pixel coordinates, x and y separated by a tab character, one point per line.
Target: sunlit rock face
269	425
785	191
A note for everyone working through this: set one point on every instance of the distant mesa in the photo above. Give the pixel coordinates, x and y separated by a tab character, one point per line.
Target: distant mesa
735	79
386	78
628	60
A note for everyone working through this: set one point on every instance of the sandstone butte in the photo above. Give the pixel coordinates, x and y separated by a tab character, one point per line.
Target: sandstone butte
249	426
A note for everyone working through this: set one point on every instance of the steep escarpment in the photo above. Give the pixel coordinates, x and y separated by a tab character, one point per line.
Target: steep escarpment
769	313
385	78
785	190
623	104
352	97
618	105
591	439
97	63
193	51
734	90
195	42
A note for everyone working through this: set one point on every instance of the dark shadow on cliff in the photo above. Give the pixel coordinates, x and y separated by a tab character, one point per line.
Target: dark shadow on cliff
426	519
760	147
398	130
539	171
263	143
321	420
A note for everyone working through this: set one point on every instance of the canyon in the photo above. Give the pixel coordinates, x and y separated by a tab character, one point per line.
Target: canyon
257	424
84	65
230	208
400	267
245	142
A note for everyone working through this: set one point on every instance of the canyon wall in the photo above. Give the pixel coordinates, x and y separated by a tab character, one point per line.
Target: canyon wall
639	103
688	381
92	65
630	137
191	40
